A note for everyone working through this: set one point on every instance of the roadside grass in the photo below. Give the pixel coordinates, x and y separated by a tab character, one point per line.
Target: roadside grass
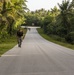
49	38
9	43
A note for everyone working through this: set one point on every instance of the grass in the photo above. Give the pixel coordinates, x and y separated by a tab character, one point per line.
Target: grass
40	31
9	43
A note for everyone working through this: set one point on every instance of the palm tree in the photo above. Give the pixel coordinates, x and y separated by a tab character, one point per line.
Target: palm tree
55	11
65	12
10	11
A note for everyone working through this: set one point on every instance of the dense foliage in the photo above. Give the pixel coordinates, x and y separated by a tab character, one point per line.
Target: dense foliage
55	22
11	16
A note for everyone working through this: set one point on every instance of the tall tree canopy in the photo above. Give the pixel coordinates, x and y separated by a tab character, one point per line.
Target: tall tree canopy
11	14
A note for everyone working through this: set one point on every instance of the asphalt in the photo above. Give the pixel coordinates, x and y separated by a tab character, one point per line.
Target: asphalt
37	56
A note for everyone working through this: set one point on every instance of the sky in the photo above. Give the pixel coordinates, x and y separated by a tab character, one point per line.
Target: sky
46	4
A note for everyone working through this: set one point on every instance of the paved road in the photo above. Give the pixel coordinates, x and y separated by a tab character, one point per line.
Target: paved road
37	57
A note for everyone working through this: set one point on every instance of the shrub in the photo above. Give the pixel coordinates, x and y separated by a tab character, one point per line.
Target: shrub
58	38
70	37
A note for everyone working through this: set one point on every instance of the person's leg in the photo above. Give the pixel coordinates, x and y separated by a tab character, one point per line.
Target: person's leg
20	41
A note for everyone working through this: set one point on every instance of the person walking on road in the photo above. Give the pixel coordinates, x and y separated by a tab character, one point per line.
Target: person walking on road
19	37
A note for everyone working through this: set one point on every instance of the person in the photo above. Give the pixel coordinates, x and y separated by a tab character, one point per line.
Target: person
19	37
29	29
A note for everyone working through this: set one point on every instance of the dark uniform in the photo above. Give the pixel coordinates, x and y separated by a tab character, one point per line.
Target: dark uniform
19	37
19	33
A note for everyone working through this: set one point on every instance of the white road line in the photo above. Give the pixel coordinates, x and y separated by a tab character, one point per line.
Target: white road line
9	55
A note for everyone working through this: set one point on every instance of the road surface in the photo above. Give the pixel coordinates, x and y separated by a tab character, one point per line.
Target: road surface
37	57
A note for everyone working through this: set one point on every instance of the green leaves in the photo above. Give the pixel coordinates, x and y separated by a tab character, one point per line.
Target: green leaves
11	11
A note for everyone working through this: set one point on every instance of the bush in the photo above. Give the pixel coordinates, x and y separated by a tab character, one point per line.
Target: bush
70	37
58	38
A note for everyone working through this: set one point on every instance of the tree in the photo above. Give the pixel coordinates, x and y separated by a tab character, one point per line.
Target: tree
65	13
11	12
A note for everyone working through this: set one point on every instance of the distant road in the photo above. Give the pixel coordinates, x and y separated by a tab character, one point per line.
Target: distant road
37	57
30	26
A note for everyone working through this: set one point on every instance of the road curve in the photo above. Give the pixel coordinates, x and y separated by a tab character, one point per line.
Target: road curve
37	56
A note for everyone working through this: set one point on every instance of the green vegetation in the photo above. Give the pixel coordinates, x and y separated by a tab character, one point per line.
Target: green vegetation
49	38
55	22
7	44
11	18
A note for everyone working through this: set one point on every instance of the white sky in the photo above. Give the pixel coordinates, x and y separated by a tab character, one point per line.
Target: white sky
46	4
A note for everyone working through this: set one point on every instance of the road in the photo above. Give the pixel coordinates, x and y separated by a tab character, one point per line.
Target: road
37	56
